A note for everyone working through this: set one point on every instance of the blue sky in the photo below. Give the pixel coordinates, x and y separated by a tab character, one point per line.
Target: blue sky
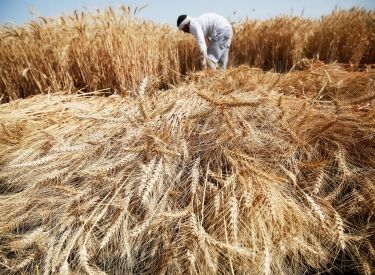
167	11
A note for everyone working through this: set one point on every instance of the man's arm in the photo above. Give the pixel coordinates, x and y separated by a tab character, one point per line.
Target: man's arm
198	33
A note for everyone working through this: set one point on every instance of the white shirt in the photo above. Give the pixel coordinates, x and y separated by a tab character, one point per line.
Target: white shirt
203	26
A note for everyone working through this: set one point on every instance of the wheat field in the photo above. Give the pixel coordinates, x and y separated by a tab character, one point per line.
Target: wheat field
112	162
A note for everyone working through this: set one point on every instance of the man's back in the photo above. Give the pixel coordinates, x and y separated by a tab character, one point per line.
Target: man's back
209	22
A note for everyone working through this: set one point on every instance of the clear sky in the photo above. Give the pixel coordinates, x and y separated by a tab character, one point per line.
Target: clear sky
167	11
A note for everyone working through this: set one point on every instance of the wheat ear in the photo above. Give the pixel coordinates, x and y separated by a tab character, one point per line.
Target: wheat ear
194	178
146	176
340	230
151	183
233	221
315	207
267	257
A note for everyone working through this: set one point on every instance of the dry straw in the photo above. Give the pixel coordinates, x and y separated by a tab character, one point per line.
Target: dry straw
227	179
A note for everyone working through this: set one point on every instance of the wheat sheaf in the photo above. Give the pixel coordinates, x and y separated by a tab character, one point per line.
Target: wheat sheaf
210	177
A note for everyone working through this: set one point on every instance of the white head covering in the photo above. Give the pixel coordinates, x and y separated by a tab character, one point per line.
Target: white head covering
183	23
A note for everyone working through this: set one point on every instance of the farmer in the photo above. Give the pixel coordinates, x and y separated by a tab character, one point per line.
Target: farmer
219	32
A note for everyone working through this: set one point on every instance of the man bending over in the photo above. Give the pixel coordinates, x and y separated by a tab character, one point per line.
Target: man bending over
219	32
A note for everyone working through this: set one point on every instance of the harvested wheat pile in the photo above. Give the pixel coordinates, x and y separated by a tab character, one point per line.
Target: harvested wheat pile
221	175
319	81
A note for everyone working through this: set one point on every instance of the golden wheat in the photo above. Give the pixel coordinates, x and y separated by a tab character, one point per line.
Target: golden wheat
238	171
